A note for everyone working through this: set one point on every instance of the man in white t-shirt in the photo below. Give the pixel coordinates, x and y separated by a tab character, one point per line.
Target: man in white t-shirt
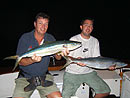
75	74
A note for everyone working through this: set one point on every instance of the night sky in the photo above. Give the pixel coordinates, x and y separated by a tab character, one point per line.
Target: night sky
111	23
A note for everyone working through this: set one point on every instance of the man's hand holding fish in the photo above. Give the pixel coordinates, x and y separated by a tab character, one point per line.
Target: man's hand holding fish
36	58
79	63
64	52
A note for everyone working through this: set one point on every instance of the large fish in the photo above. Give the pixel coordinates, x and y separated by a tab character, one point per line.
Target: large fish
46	49
96	62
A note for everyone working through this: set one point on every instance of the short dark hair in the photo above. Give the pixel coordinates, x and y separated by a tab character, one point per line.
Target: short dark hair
88	18
43	15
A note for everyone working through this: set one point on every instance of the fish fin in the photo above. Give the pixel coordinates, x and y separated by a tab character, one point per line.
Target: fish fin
68	61
58	53
17	62
47	42
11	57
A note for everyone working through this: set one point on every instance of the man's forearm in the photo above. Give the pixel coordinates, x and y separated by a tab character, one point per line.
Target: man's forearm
26	61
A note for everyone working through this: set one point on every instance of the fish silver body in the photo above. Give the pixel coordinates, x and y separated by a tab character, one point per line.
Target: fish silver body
47	49
97	62
51	48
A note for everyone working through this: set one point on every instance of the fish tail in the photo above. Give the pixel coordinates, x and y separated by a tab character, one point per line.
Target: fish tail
17	62
16	57
68	61
11	57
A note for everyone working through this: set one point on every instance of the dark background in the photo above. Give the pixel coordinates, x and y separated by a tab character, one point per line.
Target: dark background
111	27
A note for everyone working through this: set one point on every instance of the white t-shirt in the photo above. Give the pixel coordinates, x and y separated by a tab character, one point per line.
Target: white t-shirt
90	48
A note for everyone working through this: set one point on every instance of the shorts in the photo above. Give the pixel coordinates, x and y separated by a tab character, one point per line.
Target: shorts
43	91
73	81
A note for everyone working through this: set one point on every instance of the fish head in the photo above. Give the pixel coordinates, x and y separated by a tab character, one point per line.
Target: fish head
120	64
72	45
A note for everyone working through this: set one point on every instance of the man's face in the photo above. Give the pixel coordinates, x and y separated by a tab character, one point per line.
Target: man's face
87	27
41	25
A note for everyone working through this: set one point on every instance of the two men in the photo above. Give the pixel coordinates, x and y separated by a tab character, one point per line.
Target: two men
36	67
